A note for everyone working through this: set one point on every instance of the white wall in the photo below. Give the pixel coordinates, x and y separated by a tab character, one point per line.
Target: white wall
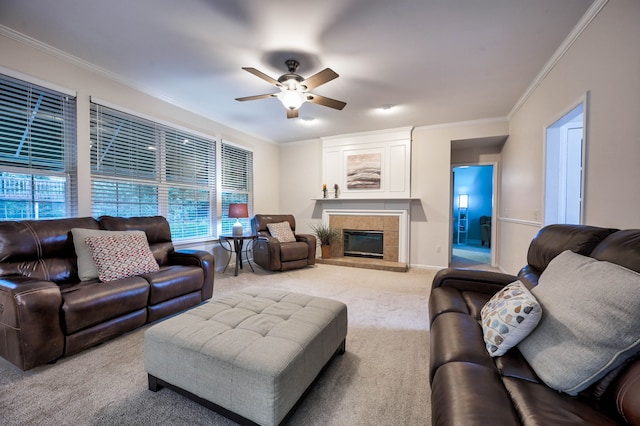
431	182
300	181
604	61
38	62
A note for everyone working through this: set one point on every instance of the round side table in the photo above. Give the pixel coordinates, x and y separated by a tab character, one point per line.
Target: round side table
234	244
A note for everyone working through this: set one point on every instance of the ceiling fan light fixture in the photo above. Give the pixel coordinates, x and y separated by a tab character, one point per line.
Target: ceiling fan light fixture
292	99
291	81
294	89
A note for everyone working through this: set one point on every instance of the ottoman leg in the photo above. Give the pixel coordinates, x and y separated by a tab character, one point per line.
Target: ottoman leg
154	385
342	348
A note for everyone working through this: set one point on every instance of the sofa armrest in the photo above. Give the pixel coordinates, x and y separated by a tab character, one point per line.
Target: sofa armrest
266	253
626	393
487	282
30	321
200	258
311	242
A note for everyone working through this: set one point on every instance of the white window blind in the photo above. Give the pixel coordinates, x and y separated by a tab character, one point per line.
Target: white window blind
38	173
142	168
237	183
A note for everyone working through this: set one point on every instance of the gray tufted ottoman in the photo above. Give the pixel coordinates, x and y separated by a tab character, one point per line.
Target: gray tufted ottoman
249	355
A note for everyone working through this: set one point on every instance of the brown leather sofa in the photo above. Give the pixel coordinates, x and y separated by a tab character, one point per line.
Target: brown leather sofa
471	388
46	312
272	255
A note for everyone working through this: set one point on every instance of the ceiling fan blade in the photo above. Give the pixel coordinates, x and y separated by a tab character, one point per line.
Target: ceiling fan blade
256	97
328	102
292	113
262	75
322	77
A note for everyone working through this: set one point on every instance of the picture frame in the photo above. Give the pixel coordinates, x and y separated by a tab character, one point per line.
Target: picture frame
364	171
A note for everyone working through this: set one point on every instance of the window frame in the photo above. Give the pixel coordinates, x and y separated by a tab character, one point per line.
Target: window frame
52	117
159	137
233	190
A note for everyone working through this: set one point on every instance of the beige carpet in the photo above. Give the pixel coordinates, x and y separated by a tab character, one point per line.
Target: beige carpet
382	379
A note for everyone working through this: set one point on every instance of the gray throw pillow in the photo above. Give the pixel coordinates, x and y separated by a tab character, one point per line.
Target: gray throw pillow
589	325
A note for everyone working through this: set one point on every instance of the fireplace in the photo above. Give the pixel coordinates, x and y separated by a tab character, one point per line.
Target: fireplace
383	217
359	243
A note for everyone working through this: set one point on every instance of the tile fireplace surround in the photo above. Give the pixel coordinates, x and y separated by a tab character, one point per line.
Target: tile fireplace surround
388	224
394	222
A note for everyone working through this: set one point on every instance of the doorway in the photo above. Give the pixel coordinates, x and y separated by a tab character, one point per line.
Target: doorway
472	222
564	160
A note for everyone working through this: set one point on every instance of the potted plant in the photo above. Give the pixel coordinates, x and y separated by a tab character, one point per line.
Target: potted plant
326	235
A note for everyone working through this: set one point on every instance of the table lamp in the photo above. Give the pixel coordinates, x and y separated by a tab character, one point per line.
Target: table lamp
238	211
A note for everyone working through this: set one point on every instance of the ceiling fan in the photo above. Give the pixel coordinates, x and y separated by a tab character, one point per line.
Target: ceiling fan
294	89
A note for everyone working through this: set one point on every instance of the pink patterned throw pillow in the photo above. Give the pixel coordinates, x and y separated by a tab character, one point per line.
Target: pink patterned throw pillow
121	256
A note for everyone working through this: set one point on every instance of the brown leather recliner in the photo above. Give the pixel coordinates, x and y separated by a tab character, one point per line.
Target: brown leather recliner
273	255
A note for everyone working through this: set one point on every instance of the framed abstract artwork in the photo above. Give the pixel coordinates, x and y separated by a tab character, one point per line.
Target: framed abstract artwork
364	171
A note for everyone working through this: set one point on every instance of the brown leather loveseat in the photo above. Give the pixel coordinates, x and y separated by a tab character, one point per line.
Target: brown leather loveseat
274	255
469	387
47	312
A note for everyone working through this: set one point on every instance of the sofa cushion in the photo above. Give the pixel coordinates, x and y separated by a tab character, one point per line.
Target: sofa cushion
589	322
173	281
552	240
508	317
40	249
86	266
281	231
91	302
621	248
121	256
293	251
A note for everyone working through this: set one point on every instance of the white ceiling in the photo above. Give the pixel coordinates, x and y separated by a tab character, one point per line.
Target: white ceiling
439	61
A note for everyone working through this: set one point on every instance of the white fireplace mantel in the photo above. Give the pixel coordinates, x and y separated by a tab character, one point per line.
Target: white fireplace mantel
388	199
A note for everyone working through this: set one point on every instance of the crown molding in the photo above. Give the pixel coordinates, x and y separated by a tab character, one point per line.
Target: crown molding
53	51
584	22
481	121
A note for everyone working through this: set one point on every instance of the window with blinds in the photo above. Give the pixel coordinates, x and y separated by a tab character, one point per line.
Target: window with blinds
237	183
143	168
38	176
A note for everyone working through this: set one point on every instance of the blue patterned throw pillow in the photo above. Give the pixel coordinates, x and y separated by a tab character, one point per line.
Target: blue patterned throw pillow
508	317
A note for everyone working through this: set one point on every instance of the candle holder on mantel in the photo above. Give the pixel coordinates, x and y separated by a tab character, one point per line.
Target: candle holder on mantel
335	188
324	190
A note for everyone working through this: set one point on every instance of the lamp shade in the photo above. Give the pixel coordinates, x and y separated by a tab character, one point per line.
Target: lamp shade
238	210
464	201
